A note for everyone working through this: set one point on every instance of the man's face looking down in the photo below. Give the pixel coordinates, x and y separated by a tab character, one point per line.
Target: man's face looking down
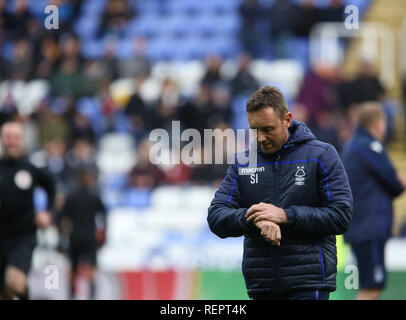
272	130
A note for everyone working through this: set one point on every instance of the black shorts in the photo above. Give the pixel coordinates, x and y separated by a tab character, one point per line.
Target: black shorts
82	252
16	252
370	257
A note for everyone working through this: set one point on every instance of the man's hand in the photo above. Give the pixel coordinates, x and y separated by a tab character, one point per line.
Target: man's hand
270	231
266	211
43	219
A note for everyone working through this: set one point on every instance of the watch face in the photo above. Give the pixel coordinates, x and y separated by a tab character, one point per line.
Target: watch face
23	179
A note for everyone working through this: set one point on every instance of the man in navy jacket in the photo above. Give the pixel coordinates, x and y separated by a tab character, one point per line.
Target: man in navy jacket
289	206
374	183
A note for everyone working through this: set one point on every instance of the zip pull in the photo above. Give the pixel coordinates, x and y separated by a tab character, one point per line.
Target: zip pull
278	157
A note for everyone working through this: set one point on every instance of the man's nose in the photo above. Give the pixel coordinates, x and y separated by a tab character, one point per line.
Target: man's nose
261	137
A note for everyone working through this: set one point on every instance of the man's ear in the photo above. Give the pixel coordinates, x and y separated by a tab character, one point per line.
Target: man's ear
288	119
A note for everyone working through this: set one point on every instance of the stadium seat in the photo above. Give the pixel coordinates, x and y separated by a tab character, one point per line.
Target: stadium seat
187	75
94	7
90	107
116	153
285	73
136	198
145	25
150	90
86	27
116	142
174	26
12	91
34	92
238	105
159	49
166	197
92	49
197	198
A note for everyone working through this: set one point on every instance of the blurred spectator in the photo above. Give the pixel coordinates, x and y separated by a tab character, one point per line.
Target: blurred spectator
195	113
21	65
138	112
83	220
20	19
48	58
176	174
51	125
144	175
70	47
80	127
209	173
5	16
250	11
67	79
221	111
317	103
108	65
213	68
244	81
316	91
306	16
281	16
334	12
82	154
8	108
366	86
55	151
139	64
163	115
115	17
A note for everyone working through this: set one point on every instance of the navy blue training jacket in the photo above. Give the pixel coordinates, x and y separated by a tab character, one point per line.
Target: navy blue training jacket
374	185
308	180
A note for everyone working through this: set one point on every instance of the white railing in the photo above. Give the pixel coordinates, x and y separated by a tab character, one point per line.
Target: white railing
378	46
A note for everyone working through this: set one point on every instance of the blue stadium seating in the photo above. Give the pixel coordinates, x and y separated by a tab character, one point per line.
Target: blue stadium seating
136	198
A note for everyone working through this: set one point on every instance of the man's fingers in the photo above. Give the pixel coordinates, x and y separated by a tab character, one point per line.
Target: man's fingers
252	209
254	215
259	217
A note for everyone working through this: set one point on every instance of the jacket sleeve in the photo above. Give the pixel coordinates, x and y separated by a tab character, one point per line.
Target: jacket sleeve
46	181
226	217
380	166
334	215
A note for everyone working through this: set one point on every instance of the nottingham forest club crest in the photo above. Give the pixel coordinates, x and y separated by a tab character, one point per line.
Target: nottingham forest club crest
300	176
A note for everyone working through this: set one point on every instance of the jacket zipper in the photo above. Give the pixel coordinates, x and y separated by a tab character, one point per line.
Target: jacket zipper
276	250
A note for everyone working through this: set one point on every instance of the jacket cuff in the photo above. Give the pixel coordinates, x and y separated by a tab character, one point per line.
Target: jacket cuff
291	216
248	226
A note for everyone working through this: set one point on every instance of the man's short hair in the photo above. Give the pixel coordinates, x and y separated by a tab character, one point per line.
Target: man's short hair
368	113
268	97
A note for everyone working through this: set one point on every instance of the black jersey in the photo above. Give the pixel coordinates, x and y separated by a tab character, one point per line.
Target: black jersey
18	180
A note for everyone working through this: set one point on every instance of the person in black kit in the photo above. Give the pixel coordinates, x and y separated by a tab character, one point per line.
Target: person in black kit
18	221
84	220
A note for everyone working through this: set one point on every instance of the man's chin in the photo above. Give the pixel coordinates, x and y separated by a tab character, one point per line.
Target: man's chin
269	150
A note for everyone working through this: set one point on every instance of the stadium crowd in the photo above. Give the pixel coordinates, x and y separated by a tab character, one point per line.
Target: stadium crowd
326	99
